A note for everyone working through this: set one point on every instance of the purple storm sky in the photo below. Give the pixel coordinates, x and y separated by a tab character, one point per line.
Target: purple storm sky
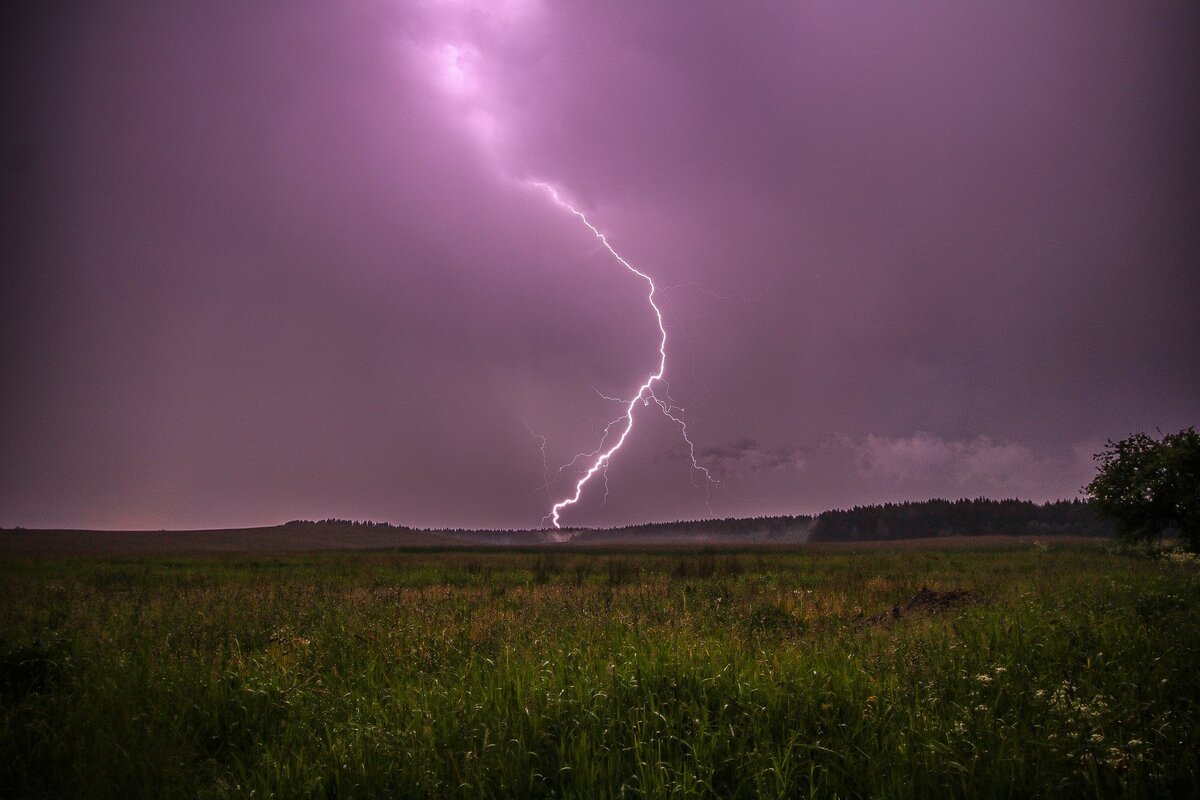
276	260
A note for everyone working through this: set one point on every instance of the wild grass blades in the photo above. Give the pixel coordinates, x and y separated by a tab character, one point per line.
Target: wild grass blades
605	674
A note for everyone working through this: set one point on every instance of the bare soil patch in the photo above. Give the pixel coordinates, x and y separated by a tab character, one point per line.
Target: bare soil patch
926	602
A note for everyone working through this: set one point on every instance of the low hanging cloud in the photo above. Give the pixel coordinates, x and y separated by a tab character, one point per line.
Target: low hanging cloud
746	456
980	465
847	469
924	453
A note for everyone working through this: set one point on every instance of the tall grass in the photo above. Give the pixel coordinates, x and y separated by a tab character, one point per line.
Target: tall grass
558	674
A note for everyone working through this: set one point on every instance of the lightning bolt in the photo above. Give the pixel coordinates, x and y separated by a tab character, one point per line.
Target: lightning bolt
546	479
602	457
457	70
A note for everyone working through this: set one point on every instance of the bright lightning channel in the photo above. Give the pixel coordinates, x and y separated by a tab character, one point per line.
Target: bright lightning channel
645	395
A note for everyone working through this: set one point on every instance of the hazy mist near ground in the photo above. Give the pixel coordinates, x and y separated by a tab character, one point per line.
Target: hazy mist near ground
935	520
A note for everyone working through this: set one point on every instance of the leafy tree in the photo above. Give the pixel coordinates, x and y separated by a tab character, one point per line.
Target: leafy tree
1149	487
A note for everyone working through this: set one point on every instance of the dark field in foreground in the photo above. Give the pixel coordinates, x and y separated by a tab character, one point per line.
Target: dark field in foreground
1064	671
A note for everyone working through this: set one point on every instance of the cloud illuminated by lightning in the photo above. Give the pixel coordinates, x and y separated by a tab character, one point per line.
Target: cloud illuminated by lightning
645	395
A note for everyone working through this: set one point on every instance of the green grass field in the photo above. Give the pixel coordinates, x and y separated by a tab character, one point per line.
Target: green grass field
1067	671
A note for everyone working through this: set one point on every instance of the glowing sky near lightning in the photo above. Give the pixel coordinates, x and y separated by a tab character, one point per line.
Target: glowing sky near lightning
457	68
267	261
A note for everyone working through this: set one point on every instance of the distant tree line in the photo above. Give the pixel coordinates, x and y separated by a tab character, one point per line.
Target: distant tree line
978	517
352	523
910	520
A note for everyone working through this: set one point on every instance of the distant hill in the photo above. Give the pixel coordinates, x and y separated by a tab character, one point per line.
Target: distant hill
298	536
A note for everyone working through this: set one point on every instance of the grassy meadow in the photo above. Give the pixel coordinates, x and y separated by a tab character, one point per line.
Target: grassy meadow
1064	670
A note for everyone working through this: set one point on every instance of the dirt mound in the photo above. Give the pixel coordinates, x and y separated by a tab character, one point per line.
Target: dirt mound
926	601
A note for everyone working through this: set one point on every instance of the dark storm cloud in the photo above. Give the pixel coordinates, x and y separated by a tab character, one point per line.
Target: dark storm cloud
273	260
747	456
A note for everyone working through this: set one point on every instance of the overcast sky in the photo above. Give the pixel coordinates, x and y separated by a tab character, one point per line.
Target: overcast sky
275	260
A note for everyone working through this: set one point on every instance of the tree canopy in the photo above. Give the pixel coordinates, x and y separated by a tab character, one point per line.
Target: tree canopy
1151	487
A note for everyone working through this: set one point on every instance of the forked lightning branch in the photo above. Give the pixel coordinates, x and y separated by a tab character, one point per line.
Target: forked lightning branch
602	456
